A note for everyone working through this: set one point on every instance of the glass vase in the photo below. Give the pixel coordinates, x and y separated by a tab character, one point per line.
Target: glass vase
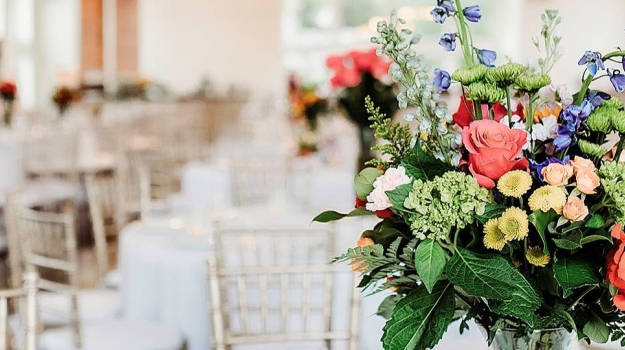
548	339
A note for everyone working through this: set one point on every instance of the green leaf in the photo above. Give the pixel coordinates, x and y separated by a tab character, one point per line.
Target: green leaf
575	272
493	277
429	166
388	305
601	236
596	329
430	261
541	221
420	319
414	172
330	215
398	196
569	242
363	182
596	221
491	211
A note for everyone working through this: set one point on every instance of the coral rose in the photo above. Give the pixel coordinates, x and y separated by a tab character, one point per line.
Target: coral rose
587	181
582	164
615	266
494	149
557	174
575	209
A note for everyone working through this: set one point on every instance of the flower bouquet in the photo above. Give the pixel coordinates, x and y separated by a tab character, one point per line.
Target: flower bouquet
8	92
508	212
356	75
63	98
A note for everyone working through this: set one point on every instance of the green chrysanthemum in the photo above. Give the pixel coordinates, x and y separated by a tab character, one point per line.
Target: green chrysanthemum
486	93
514	224
468	75
612	176
618	121
601	120
532	82
537	257
506	74
591	149
613	102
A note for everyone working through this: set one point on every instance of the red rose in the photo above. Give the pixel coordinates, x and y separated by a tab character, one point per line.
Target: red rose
615	266
494	149
384	214
464	116
8	90
346	78
360	204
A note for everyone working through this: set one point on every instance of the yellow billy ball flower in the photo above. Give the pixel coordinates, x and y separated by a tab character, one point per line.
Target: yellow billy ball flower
536	257
513	224
546	198
514	183
493	237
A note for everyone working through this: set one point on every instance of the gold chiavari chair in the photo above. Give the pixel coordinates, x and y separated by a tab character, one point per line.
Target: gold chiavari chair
157	182
52	156
27	310
50	244
103	197
257	178
276	285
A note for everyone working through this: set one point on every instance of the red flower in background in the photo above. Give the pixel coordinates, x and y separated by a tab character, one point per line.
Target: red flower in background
494	149
348	69
8	90
615	266
464	116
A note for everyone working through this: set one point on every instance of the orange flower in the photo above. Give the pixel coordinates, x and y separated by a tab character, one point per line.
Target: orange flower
575	209
360	266
582	164
587	181
547	111
557	174
615	266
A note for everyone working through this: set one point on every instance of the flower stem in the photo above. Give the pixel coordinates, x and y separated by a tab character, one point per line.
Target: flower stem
529	119
491	112
462	26
619	149
589	79
509	106
478	110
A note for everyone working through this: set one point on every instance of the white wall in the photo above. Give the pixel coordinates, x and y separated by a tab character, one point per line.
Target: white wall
229	41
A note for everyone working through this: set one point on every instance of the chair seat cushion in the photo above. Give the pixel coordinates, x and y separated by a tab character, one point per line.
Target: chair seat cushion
117	335
94	305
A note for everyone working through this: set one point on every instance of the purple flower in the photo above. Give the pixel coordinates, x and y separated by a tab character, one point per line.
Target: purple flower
538	167
439	14
448	42
593	62
447	5
617	79
596	98
473	13
623	62
574	115
486	57
442	80
564	138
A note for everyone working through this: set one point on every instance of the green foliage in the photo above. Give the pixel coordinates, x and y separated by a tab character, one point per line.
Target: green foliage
491	211
363	182
388	304
574	272
596	221
430	261
428	166
569	242
330	215
541	220
420	319
398	137
596	329
494	278
398	196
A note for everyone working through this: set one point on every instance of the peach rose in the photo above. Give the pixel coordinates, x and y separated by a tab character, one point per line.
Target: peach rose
557	174
582	164
361	267
575	209
494	149
587	181
615	266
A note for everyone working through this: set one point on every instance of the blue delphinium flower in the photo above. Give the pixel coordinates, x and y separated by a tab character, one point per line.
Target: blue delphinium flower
439	14
617	79
623	62
574	115
538	167
593	62
565	137
473	13
448	41
596	98
487	57
442	80
447	5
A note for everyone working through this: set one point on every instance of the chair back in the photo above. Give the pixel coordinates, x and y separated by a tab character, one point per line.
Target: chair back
27	308
52	156
276	285
258	177
157	182
103	198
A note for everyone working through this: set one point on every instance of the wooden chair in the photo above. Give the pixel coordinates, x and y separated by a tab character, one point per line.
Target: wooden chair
275	285
27	308
49	243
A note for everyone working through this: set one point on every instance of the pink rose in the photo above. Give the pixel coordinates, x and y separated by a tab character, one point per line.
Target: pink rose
587	181
494	149
557	174
575	209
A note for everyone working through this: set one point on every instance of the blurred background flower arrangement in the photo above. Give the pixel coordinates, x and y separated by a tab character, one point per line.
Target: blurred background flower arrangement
508	212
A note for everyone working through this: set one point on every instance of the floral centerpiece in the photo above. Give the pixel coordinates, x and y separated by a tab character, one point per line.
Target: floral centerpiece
8	92
510	216
356	75
63	98
306	106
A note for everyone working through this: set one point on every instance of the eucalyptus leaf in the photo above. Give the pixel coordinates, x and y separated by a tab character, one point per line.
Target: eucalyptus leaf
330	215
430	261
575	272
363	182
420	319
